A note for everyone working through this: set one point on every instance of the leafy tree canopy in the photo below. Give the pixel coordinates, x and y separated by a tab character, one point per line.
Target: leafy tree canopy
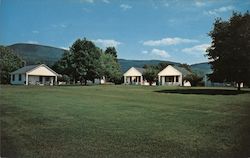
66	66
150	74
230	49
112	51
110	68
8	62
194	79
86	59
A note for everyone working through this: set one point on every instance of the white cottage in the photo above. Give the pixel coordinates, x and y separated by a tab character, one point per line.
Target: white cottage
173	75
135	76
34	75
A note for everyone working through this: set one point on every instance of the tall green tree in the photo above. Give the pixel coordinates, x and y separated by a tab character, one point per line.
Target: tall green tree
150	74
112	51
9	62
230	49
66	66
110	68
86	60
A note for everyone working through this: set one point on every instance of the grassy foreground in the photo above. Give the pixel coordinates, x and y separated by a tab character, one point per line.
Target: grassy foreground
123	121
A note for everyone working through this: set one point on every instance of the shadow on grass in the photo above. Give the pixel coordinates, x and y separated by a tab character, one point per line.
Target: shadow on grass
204	91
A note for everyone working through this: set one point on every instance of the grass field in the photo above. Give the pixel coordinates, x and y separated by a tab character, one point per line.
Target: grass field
123	121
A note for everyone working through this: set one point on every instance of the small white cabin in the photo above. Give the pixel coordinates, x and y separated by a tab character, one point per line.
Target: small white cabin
173	75
34	75
134	76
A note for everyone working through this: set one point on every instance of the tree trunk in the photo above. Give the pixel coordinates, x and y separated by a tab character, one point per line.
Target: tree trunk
85	82
238	88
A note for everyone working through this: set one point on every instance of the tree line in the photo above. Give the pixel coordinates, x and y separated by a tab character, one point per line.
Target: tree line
229	56
86	62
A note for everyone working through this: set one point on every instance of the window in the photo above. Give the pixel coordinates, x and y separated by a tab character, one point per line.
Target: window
13	77
20	77
40	79
47	79
169	79
177	78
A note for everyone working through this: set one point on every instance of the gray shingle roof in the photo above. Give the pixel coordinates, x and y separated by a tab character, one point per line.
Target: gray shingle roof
24	69
182	70
141	70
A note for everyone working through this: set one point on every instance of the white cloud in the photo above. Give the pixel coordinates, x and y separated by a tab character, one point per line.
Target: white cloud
199	4
144	52
92	1
166	4
168	41
107	42
32	42
125	6
86	10
65	48
59	26
160	53
157	53
106	1
35	31
196	50
63	25
219	10
88	1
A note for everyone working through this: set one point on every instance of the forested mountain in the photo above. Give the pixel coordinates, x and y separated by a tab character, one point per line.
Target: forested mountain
35	54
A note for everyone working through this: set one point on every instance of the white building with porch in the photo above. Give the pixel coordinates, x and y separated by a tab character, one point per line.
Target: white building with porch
34	75
173	75
134	76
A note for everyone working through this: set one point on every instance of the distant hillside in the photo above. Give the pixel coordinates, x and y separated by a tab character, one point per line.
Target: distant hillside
126	64
33	53
201	68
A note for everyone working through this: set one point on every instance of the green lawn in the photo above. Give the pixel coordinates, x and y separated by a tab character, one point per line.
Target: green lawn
123	121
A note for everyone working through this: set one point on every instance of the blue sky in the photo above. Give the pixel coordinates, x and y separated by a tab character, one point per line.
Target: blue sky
173	30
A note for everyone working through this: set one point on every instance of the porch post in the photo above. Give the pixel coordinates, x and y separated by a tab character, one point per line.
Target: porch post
125	78
163	80
55	80
180	80
141	79
174	80
27	79
51	81
159	80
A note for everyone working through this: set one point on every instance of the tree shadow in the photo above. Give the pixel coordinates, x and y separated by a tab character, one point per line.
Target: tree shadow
204	91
